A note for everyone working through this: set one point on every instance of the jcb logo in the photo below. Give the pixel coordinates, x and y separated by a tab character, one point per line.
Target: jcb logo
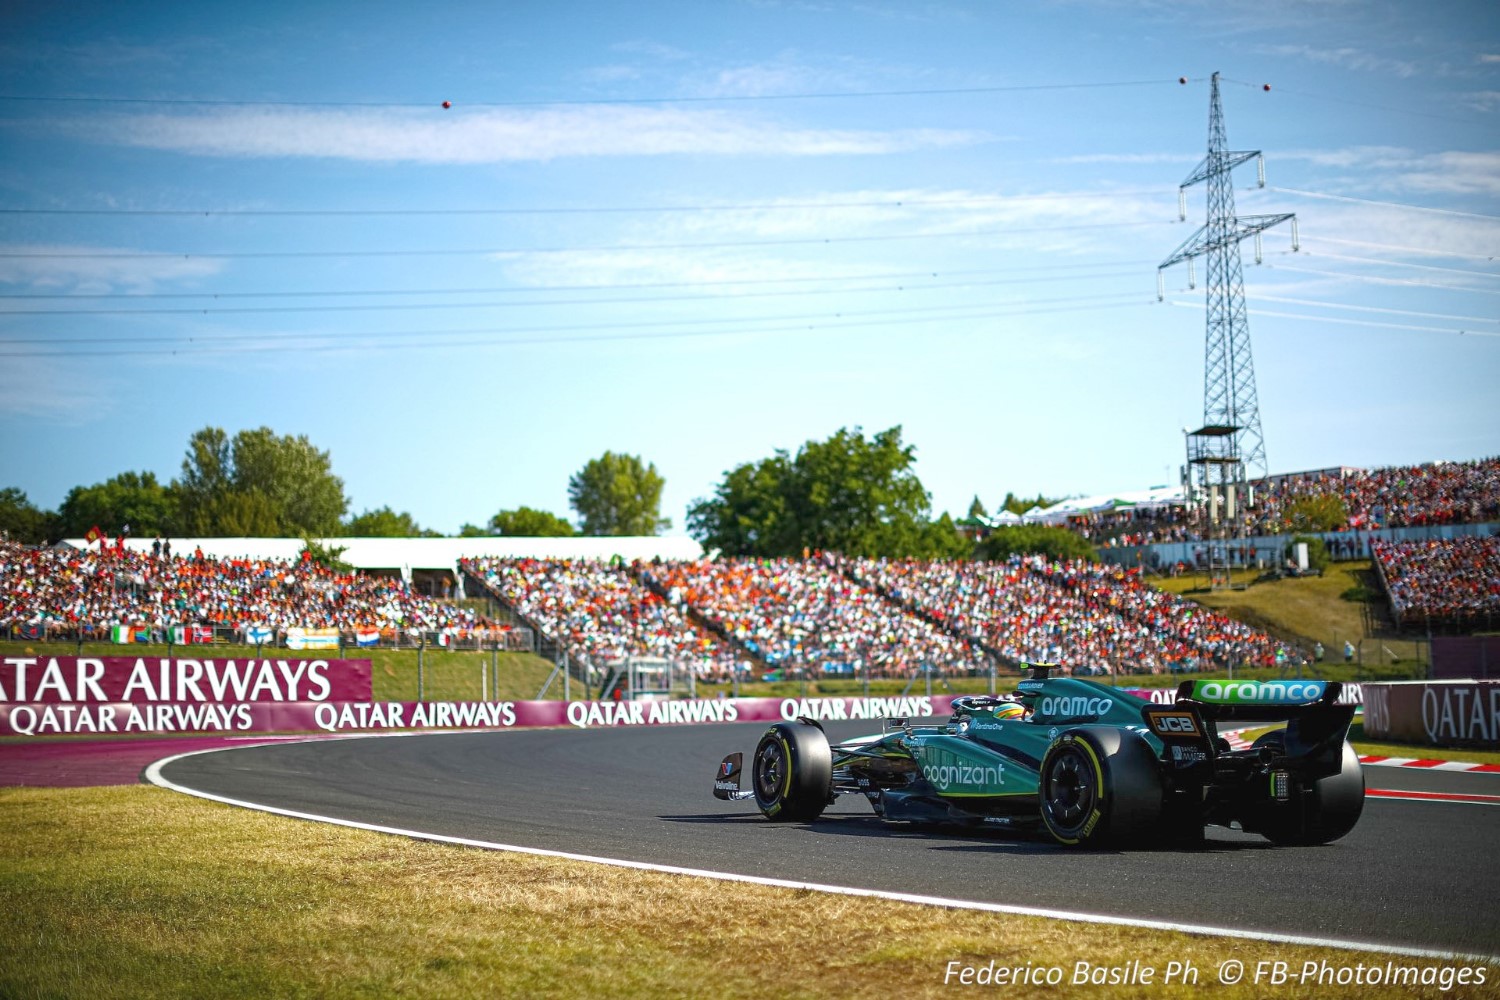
1169	725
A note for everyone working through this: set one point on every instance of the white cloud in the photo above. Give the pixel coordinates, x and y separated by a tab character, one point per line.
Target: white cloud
1345	58
499	135
1397	171
1483	101
53	390
49	269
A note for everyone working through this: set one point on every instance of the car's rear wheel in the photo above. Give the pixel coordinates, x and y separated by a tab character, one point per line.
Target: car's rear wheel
792	773
1324	812
1100	786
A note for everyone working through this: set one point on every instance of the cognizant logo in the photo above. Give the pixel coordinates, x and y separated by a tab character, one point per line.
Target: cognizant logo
946	776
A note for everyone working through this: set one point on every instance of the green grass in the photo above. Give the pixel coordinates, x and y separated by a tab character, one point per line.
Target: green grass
134	891
1332	609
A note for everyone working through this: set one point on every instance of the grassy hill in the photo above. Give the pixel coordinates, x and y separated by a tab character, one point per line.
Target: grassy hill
1343	604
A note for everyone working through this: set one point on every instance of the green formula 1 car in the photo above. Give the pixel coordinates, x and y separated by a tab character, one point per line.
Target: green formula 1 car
1091	764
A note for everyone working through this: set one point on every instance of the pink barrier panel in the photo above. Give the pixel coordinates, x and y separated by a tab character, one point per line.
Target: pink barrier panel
364	716
61	680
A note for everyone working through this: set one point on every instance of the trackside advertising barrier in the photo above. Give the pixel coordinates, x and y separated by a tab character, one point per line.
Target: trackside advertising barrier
64	695
1434	713
69	695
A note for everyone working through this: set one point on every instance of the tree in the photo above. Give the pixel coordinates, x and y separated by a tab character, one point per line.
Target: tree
1324	512
618	495
386	523
524	522
1020	505
977	511
1034	539
21	520
257	483
131	498
849	494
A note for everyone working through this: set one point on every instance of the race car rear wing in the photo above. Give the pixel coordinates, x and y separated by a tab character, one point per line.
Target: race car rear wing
1269	700
1316	725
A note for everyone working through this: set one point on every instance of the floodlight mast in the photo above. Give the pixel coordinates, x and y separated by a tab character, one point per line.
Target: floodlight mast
1229	397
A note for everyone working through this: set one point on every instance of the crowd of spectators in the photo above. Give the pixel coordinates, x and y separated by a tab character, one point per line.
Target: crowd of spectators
1436	493
802	615
87	592
1095	619
821	616
1453	581
601	612
1396	496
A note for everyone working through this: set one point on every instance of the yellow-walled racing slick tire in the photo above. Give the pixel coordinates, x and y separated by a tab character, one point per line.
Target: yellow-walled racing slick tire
792	773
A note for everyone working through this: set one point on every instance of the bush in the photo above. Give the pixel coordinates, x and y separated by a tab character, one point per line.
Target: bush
1034	539
1318	558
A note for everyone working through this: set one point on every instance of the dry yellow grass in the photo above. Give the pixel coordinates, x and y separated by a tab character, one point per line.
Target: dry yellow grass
136	891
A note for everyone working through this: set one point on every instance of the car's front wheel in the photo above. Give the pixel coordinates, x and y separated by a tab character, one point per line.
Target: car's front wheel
792	773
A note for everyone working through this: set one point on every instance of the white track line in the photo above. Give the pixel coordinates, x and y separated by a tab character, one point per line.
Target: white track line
153	774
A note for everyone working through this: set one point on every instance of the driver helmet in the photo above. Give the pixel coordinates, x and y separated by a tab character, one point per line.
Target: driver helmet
1011	710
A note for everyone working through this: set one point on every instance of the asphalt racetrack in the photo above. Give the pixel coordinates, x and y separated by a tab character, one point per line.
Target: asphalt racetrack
1413	874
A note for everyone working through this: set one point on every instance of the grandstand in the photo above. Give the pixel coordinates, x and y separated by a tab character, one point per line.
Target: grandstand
1394	497
1429	528
1442	585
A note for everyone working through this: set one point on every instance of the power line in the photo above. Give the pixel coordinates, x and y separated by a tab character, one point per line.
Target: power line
708	283
629	300
1344	321
914	311
622	247
552	210
575	102
1426	251
367	341
1360	104
1399	263
1385	204
1326	304
1377	279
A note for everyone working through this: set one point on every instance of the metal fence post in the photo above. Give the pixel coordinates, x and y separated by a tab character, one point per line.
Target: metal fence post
421	647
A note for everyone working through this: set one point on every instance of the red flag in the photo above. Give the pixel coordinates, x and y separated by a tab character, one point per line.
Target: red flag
94	535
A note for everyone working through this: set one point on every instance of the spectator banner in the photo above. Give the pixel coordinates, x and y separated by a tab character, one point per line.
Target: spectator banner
257	635
105	680
312	638
1434	713
336	716
130	633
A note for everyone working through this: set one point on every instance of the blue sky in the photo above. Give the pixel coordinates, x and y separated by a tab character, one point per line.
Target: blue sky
700	232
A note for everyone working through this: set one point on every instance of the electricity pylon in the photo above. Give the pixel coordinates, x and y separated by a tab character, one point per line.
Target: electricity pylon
1229	399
